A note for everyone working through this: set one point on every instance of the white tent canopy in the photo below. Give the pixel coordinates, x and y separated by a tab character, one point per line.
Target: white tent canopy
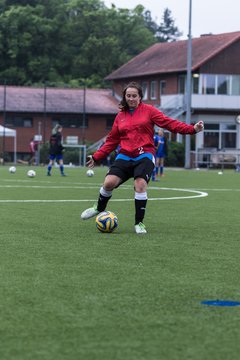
10	132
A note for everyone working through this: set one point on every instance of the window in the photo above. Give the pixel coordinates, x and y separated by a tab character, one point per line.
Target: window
153	92
181	84
211	139
208	84
228	127
211	135
162	87
223	85
195	83
228	140
211	126
19	121
145	90
235	85
71	122
228	136
223	136
220	84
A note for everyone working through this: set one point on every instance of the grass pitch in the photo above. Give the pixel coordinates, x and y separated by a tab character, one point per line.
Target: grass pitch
70	292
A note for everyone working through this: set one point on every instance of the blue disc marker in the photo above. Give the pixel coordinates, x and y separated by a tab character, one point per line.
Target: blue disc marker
220	303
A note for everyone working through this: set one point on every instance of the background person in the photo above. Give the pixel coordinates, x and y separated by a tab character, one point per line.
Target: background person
133	130
33	148
160	143
56	150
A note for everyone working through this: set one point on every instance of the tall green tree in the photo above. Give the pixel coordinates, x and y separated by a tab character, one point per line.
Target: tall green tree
167	31
73	41
102	39
27	39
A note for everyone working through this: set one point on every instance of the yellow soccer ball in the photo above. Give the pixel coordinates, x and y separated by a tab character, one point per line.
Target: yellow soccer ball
106	221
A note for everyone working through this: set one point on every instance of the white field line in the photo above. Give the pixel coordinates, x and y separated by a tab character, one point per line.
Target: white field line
196	194
97	186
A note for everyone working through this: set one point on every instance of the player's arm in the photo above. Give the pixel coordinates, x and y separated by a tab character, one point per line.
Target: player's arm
111	143
174	125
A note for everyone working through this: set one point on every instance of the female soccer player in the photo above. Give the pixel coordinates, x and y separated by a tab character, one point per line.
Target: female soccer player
56	149
133	130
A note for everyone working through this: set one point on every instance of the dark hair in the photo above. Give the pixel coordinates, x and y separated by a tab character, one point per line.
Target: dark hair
123	104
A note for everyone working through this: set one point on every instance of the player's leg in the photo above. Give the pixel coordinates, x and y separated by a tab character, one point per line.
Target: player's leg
117	174
161	166
157	165
50	164
142	174
61	166
105	194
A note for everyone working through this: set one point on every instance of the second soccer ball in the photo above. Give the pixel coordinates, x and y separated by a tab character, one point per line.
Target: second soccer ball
12	169
90	173
31	173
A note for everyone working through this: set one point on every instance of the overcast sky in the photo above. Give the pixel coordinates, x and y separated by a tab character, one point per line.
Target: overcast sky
208	16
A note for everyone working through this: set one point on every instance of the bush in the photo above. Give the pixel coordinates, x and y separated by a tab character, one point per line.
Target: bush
176	154
44	153
71	156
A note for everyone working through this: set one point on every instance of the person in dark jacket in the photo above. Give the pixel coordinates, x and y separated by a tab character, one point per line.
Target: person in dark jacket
56	150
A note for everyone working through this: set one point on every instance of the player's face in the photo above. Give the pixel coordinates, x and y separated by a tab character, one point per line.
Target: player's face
132	97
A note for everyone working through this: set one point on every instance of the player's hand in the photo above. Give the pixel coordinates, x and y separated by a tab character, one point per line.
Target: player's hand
199	126
90	162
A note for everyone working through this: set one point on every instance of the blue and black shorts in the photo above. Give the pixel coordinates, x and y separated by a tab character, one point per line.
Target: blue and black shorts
126	169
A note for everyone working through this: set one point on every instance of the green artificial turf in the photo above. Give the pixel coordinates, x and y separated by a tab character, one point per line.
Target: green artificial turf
69	292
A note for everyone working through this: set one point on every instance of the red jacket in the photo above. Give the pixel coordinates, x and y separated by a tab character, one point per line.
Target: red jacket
134	133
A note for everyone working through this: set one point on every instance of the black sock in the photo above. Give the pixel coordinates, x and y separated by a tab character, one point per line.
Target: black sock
140	207
102	202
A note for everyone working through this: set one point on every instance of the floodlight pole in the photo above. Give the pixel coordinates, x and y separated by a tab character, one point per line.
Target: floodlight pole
4	119
188	89
84	112
44	112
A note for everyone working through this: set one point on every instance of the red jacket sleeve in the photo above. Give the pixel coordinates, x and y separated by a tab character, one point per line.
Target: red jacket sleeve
111	143
170	124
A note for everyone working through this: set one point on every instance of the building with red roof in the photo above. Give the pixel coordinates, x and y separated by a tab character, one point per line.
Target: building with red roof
162	72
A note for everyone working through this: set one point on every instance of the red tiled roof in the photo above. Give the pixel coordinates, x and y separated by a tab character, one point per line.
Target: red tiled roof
29	99
172	57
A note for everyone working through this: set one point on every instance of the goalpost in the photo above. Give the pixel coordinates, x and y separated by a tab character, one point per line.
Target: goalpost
82	153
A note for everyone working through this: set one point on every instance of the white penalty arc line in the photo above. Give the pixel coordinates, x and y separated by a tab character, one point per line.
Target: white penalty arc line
198	194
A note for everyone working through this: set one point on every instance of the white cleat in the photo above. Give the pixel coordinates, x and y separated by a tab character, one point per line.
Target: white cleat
89	213
140	228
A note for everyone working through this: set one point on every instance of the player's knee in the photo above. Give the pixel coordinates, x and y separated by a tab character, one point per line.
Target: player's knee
140	185
111	182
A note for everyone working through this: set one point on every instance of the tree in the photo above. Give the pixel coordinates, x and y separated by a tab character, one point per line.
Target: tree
28	49
167	31
106	38
68	42
149	23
